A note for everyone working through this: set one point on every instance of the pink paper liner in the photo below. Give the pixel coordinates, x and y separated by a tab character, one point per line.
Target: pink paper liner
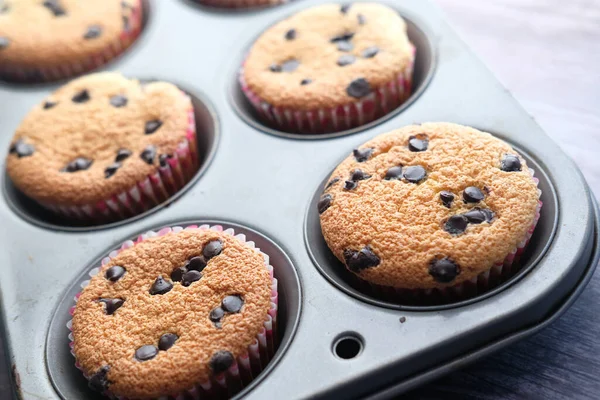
23	73
378	103
247	366
155	189
485	281
240	3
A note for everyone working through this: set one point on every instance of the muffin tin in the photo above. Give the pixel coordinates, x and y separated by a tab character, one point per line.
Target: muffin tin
335	341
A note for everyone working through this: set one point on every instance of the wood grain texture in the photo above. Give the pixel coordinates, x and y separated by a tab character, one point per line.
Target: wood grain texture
547	52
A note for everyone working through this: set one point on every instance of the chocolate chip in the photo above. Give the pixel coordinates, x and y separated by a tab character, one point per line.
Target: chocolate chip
4	42
350	185
55	7
216	314
362	155
305	81
290	65
220	361
232	304
473	195
99	381
196	263
167	341
49	104
122	154
358	175
275	68
148	154
324	203
415	174
447	198
332	182
344	45
160	286
146	352
190	277
393	173
344	37
478	215
359	260
152	126
290	35
177	274
418	143
111	170
114	273
456	224
21	149
4	9
126	24
443	270
93	32
111	305
118	101
81	97
358	88
212	249
78	164
163	160
346	59
361	19
125	4
344	8
370	52
510	163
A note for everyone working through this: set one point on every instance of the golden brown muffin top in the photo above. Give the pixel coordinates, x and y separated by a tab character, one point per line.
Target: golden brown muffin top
322	56
428	206
108	336
56	32
99	118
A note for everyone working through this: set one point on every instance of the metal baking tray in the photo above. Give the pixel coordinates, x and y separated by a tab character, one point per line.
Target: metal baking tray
335	341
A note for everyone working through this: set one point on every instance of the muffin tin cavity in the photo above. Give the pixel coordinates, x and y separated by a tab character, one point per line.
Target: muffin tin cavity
424	67
338	275
70	383
207	137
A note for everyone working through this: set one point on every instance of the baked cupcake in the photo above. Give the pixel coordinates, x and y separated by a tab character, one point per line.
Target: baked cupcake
46	40
240	3
103	147
330	68
430	213
180	312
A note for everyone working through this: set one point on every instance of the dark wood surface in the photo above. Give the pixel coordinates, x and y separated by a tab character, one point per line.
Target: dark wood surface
547	52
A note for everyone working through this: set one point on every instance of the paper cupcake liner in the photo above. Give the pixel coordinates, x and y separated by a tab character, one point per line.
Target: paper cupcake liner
485	281
247	366
378	103
240	3
150	192
41	73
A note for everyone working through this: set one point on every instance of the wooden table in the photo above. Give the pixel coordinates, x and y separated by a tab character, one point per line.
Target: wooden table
547	52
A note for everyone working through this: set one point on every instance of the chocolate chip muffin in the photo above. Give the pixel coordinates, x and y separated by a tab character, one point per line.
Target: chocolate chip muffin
178	313
240	3
330	68
434	209
104	147
45	40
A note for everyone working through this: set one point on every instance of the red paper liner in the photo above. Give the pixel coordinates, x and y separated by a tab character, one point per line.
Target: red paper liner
379	102
150	192
247	366
485	281
26	73
240	3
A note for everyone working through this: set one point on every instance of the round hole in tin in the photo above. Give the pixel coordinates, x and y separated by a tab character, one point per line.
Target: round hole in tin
348	346
425	63
69	382
337	274
224	11
36	81
207	138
